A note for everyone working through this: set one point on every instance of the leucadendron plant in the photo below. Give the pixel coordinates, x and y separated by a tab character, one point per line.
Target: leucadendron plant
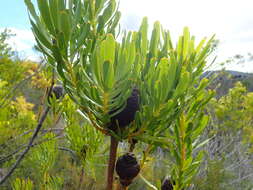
173	98
138	88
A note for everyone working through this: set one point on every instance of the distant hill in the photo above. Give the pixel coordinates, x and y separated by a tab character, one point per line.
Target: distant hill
226	80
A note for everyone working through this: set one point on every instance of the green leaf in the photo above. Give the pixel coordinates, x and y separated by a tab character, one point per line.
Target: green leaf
82	36
108	11
202	124
31	9
202	144
108	75
144	35
40	36
172	76
54	10
65	25
109	45
186	42
155	39
200	46
101	24
115	21
183	84
46	15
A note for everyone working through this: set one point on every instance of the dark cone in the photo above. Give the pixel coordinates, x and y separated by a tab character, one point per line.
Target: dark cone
167	184
58	91
127	168
127	115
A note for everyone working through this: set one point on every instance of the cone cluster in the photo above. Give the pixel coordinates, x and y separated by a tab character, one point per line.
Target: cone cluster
58	91
127	115
127	168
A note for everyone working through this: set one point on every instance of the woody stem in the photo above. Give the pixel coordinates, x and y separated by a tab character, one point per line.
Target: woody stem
111	164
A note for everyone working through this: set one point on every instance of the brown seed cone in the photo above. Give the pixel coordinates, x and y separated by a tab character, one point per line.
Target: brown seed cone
58	91
127	168
127	115
167	184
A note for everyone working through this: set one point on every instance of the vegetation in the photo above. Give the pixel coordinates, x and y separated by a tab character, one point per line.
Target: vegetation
137	104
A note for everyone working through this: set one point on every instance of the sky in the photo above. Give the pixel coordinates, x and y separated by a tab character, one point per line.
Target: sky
230	20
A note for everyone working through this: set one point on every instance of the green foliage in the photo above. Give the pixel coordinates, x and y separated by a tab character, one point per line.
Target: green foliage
215	177
15	118
44	156
82	138
22	184
51	182
173	109
17	109
62	28
233	112
5	49
228	162
98	73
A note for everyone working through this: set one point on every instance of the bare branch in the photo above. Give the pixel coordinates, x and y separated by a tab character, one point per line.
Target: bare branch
21	157
35	134
9	156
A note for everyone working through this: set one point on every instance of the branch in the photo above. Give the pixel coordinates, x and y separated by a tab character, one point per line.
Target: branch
21	157
30	131
10	155
30	144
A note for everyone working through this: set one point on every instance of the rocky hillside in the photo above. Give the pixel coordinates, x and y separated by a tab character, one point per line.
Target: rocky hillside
224	80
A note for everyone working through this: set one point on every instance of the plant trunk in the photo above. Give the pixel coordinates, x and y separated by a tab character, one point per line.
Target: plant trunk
111	164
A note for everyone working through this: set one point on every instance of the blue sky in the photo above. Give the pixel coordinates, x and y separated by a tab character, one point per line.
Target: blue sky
230	20
13	14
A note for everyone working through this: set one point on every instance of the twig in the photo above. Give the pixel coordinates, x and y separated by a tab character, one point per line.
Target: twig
15	165
9	156
30	131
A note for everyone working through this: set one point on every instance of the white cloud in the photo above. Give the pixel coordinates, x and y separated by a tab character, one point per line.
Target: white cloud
23	39
23	42
230	20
